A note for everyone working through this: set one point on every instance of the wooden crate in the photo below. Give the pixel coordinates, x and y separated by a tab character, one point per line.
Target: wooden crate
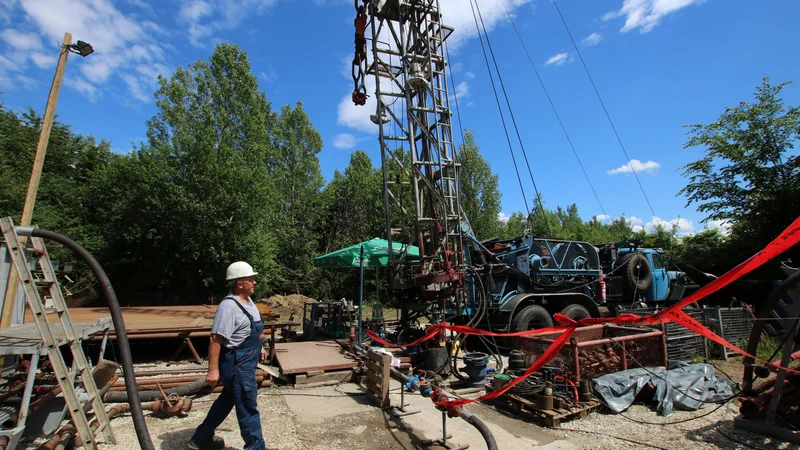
377	378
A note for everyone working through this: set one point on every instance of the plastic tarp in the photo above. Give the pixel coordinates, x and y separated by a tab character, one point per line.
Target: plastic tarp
684	386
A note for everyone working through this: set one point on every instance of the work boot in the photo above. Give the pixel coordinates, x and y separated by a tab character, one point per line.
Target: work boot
216	443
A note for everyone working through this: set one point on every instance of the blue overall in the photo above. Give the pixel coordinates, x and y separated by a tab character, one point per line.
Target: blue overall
237	368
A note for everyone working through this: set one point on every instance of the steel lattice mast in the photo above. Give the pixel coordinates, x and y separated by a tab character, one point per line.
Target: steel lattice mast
408	63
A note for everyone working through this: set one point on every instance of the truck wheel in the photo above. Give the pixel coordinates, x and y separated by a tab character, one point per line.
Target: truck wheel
576	312
637	272
532	317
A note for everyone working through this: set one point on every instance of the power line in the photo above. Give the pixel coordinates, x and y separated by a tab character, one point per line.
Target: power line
552	105
500	109
605	110
513	120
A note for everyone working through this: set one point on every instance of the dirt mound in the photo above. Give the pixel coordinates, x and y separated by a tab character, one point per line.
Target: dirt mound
285	305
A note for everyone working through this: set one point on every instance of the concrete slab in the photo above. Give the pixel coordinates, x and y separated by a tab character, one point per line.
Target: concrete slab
508	432
313	405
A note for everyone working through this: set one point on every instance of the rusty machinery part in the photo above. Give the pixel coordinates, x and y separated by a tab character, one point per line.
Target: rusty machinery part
60	439
359	96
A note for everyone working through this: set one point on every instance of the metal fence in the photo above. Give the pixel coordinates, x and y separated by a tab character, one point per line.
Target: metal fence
732	324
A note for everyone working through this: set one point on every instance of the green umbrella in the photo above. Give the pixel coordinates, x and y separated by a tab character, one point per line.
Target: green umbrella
376	254
372	253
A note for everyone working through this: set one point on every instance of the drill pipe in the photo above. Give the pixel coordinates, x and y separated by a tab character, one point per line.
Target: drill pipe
60	439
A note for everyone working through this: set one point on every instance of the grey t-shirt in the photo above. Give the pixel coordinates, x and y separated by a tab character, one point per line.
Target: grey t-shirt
231	323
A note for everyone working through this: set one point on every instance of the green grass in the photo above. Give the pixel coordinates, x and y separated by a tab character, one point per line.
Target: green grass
769	349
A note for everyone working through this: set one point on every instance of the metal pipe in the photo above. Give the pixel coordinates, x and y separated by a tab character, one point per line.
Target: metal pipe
4	442
620	339
26	396
149	395
8	417
147	386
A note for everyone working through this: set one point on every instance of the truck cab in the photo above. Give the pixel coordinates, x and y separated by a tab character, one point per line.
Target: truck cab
635	276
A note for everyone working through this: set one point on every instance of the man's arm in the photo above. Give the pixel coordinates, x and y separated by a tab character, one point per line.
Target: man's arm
214	345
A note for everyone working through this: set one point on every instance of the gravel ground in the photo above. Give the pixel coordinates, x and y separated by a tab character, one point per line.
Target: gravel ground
710	430
366	427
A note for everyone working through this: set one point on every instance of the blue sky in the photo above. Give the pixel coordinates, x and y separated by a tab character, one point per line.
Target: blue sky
658	64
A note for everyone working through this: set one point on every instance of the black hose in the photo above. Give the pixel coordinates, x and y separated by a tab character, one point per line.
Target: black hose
473	420
149	396
145	442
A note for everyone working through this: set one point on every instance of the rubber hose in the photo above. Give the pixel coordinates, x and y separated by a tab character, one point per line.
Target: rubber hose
142	433
149	396
491	444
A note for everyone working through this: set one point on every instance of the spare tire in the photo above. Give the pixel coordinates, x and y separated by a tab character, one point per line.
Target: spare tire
637	273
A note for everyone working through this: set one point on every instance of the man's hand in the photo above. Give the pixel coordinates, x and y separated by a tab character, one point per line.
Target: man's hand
263	355
212	377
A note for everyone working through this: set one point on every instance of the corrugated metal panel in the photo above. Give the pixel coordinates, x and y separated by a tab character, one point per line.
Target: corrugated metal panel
733	324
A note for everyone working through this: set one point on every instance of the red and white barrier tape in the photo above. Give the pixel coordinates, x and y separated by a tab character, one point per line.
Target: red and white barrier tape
783	242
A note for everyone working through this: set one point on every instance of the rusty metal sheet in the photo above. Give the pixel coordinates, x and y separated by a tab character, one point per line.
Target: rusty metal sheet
303	357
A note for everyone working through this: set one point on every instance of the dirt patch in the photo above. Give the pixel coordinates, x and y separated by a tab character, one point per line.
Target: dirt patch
285	305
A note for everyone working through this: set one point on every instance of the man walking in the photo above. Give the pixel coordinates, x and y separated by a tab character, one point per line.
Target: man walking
233	355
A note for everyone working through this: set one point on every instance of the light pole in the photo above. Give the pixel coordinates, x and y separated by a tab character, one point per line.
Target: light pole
83	49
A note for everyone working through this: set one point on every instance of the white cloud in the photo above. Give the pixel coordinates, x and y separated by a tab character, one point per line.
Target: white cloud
203	18
559	59
193	11
84	87
636	165
503	217
28	82
344	141
723	226
469	75
646	14
44	61
602	217
21	41
120	42
633	220
270	75
592	39
683	226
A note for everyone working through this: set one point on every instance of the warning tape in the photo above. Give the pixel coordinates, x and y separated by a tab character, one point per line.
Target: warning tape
787	239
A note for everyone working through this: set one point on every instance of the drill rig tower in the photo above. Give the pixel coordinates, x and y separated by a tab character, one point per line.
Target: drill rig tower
417	152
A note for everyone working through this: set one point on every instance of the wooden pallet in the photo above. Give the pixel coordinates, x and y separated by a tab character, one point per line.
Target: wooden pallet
545	417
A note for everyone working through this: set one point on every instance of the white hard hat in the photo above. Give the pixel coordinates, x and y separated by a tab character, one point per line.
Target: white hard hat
239	269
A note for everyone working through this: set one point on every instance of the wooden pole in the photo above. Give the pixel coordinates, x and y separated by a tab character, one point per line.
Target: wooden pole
36	174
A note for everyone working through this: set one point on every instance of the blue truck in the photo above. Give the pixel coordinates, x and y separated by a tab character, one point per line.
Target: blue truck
519	284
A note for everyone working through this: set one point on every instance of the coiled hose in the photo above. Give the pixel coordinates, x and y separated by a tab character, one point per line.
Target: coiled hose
142	433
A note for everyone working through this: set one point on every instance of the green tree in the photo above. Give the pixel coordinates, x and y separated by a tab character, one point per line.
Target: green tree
480	195
353	212
198	195
298	181
353	205
749	174
515	226
72	162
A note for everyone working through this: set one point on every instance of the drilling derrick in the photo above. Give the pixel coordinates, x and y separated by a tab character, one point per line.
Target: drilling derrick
417	153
